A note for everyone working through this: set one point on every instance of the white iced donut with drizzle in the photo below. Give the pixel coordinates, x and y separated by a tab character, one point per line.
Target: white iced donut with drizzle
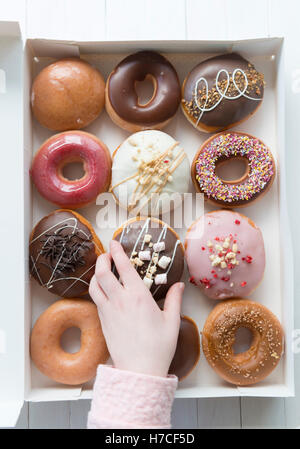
150	173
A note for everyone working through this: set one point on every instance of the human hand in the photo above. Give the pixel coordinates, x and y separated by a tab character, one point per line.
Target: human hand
139	335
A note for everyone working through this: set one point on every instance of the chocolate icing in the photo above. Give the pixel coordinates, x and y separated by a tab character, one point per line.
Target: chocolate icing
123	96
62	254
227	112
129	235
188	349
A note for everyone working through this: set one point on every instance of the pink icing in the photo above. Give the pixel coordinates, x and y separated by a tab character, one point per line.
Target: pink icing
61	149
233	280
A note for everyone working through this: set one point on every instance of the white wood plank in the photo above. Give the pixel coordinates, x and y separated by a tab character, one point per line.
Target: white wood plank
140	20
79	411
247	21
67	19
14	10
184	414
263	413
124	20
219	413
169	24
49	415
206	19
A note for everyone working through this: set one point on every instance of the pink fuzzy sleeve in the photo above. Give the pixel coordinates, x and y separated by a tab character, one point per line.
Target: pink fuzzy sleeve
123	399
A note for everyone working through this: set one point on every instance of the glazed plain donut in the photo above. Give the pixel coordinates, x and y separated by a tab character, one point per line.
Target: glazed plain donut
155	251
45	346
218	337
150	173
225	254
223	147
62	149
67	94
187	352
221	92
63	250
122	102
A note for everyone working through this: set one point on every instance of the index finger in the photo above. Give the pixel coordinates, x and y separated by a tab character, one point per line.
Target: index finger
127	272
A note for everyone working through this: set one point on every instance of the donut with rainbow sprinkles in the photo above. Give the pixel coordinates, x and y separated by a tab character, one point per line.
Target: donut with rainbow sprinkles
222	148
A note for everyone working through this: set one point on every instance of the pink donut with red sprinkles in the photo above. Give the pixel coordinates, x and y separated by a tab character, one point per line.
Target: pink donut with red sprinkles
62	149
225	254
256	180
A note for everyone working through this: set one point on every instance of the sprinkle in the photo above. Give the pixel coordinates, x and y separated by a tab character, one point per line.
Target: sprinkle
205	282
147	238
164	262
160	246
237	222
243	284
192	280
148	282
203	248
229	145
145	255
160	279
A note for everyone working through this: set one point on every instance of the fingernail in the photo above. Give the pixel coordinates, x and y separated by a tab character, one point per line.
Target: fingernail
181	286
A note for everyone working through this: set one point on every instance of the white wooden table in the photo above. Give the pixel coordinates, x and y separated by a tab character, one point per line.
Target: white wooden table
182	19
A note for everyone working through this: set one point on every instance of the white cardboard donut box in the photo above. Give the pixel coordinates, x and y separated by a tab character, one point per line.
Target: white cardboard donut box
22	300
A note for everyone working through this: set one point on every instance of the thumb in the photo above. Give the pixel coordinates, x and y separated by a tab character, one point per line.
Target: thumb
173	300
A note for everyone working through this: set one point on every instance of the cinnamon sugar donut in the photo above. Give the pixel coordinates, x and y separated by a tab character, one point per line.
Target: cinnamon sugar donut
45	347
218	337
256	180
225	254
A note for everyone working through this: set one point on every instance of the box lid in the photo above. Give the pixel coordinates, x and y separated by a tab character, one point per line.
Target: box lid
11	225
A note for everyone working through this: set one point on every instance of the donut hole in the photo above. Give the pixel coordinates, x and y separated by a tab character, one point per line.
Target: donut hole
70	340
73	170
232	170
145	90
243	340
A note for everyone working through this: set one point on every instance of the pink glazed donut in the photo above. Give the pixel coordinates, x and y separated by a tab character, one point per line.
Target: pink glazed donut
61	150
225	254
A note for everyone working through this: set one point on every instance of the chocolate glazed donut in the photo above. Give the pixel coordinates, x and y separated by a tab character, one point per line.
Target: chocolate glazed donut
155	251
122	100
221	92
187	352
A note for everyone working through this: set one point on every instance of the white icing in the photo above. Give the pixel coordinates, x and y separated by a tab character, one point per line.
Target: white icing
143	146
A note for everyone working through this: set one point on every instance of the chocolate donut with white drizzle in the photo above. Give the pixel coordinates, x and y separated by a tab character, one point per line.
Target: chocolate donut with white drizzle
63	251
222	92
155	251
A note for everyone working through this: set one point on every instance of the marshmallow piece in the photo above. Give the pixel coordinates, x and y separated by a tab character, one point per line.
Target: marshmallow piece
160	246
145	255
148	282
164	262
160	279
147	238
